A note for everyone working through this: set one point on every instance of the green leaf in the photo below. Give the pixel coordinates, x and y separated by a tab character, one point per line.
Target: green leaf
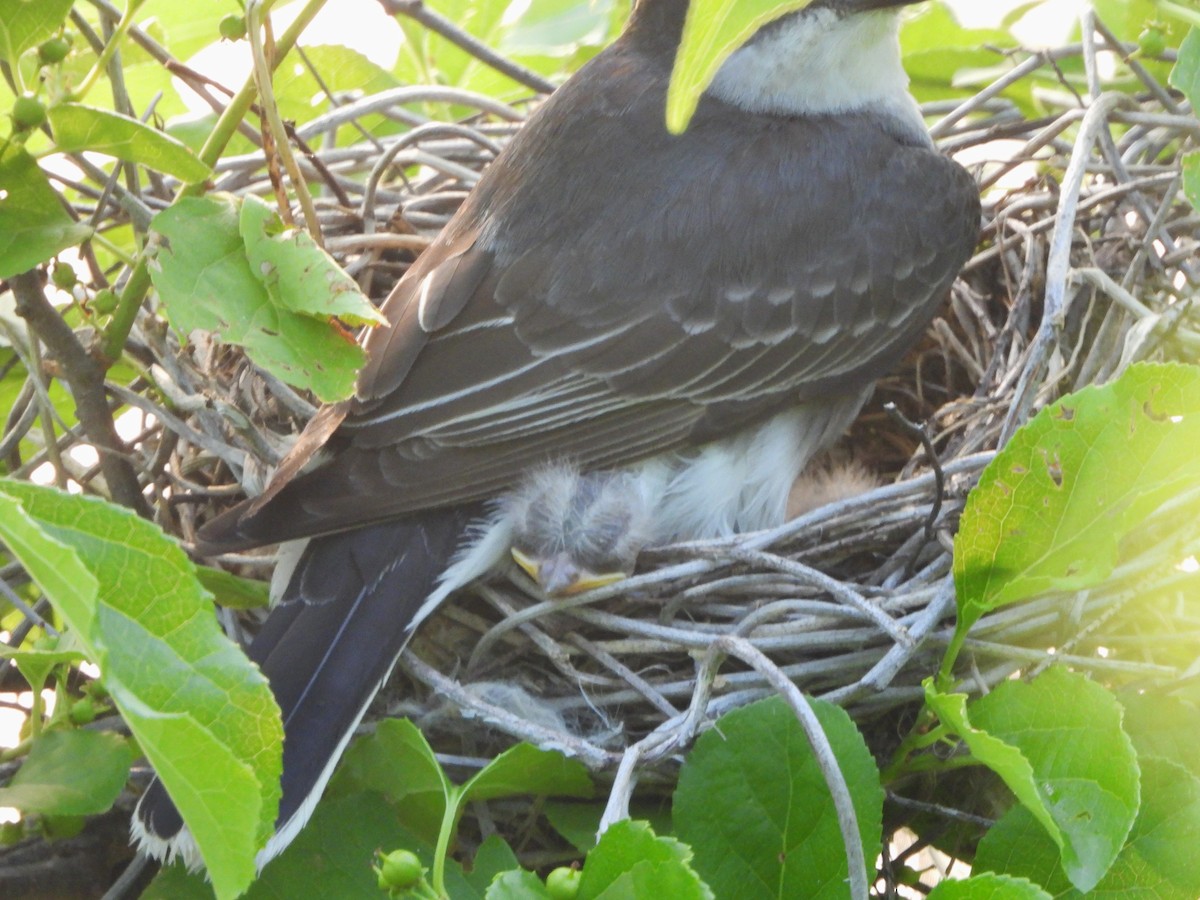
200	711
517	885
205	279
493	857
1050	510
1157	862
558	28
233	591
1163	726
299	275
524	769
33	223
1191	177
331	857
753	804
988	886
713	30
1083	767
35	664
26	23
77	127
398	762
630	862
1186	74
342	70
70	773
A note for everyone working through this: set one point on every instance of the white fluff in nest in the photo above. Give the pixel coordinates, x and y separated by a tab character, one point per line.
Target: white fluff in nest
820	485
575	530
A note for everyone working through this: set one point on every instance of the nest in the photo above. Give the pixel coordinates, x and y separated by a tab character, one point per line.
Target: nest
1086	264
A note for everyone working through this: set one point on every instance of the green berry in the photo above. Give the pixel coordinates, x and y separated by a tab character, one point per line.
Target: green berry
104	302
54	50
83	711
233	27
400	870
563	883
28	112
63	276
1152	41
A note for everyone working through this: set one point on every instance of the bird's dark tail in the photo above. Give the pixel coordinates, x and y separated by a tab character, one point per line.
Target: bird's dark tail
326	649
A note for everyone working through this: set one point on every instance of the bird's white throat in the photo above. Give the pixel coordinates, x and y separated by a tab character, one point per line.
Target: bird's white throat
817	62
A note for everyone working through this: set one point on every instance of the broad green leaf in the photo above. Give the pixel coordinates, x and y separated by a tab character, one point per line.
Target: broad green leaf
558	28
77	127
184	27
1191	177
331	857
524	769
26	23
713	30
398	762
70	773
1050	510
988	886
945	60
753	804
493	857
1005	760
200	711
343	71
631	862
33	223
234	592
1163	726
203	276
1186	74
517	885
1083	765
299	276
1157	862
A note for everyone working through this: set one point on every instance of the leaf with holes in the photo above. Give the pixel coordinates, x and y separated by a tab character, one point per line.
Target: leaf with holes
1058	745
1051	510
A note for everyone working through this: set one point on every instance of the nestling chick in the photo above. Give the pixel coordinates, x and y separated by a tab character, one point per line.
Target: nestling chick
573	531
829	481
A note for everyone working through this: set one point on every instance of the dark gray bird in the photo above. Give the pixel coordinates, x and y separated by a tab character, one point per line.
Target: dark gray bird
703	312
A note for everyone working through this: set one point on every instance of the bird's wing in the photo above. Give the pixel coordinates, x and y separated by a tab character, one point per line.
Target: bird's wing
624	319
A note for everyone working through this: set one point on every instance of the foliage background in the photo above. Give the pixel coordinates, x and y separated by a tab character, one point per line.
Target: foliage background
184	422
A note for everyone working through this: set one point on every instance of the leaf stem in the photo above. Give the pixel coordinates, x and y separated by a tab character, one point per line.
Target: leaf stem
449	821
1170	7
109	51
256	24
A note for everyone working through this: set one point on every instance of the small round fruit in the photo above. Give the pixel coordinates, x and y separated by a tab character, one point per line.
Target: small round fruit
400	870
104	302
63	276
28	112
54	50
232	27
83	711
1152	41
563	883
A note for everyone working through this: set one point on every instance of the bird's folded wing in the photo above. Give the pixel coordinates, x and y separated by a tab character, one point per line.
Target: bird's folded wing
627	325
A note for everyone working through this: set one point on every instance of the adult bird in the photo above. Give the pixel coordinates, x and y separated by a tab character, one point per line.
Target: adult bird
702	312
